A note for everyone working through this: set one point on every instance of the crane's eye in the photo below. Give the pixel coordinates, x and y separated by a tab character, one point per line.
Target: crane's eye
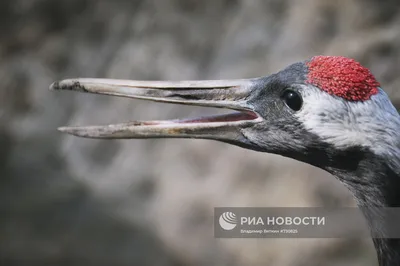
292	99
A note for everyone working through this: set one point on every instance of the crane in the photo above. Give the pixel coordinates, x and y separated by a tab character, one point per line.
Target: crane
327	111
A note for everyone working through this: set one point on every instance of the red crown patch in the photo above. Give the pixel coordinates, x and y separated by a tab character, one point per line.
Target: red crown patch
343	77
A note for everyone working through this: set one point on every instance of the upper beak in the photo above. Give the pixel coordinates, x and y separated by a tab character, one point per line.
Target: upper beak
230	94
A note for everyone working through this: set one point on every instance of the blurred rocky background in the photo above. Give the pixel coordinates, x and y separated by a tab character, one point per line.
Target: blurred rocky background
71	201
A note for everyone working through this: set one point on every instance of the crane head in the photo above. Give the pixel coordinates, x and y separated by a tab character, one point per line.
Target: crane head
308	111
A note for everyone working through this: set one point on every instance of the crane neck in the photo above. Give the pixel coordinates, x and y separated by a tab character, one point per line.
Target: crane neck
375	182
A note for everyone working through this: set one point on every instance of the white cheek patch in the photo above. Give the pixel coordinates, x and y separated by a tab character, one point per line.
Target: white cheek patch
374	123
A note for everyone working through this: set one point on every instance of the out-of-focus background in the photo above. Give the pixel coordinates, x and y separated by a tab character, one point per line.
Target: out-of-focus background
71	201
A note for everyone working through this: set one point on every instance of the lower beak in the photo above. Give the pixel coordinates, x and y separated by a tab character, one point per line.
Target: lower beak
230	94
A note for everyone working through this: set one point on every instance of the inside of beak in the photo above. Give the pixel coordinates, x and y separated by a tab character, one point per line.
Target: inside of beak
229	94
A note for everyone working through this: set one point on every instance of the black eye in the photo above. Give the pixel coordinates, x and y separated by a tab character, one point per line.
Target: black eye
292	99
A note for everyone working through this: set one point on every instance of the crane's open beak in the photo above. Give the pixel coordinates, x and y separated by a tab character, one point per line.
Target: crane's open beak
230	94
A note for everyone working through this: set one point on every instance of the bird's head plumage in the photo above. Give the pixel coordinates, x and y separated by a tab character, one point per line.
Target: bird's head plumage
342	77
326	100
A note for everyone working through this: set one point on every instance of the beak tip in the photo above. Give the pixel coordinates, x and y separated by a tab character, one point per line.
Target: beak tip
70	84
55	86
65	130
84	132
68	130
